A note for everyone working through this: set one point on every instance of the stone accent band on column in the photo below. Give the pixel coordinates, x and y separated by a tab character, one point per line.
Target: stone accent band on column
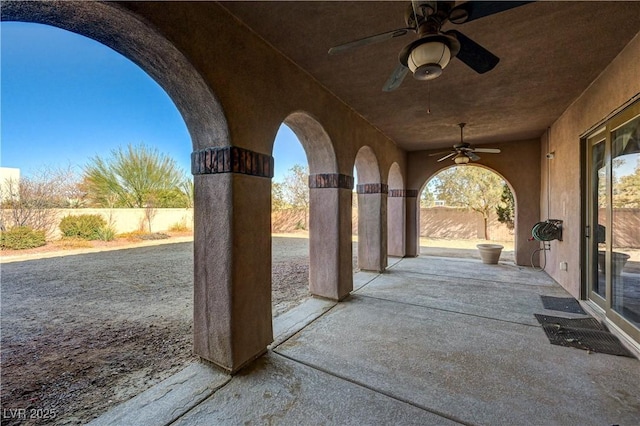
373	188
231	159
397	193
331	180
411	193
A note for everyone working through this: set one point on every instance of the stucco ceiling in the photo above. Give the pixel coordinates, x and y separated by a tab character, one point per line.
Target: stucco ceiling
549	54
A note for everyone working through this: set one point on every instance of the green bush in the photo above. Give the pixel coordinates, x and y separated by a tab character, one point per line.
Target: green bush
106	233
84	226
21	237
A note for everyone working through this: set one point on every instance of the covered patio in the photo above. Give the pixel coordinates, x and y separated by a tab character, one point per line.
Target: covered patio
427	342
433	340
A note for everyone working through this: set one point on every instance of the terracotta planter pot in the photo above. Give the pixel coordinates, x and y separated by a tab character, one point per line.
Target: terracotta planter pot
490	253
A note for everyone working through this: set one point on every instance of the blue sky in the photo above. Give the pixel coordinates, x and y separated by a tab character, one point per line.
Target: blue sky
66	98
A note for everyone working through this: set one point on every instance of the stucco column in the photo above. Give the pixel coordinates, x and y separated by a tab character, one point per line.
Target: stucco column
413	223
330	249
232	255
396	217
372	226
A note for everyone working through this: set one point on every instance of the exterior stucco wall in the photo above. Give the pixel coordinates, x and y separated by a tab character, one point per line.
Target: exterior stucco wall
517	164
617	85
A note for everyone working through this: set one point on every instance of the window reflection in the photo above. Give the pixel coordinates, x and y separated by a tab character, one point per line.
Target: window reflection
599	182
625	260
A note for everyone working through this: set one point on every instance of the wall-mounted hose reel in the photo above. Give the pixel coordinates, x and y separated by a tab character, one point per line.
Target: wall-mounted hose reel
549	230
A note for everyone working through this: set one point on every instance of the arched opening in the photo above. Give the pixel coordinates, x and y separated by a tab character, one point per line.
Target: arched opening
372	210
324	190
462	206
202	114
396	213
289	223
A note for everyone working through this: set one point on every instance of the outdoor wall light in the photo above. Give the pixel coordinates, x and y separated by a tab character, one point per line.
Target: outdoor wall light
427	60
461	159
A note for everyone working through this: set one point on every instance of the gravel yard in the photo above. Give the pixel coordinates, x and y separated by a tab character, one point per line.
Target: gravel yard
82	333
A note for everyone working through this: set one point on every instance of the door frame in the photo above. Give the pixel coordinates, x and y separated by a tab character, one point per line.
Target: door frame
603	307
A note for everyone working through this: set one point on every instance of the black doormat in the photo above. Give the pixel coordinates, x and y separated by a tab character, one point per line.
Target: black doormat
563	304
581	333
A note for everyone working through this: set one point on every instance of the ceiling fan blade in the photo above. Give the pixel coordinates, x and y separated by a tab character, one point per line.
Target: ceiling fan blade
396	78
473	10
487	150
369	40
473	156
440	153
447	156
473	55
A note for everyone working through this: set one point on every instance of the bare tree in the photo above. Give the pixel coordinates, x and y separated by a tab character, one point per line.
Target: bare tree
31	201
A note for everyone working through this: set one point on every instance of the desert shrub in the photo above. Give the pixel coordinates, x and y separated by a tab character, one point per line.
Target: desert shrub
179	227
106	233
84	226
21	237
72	243
132	236
141	235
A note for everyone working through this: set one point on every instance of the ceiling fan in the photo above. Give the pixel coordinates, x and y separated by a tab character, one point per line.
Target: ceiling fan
431	52
462	152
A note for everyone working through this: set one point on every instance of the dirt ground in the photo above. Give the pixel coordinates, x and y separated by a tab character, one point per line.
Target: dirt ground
82	333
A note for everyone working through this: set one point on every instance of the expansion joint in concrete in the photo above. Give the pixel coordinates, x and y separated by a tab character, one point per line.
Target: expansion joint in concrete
373	389
231	159
451	311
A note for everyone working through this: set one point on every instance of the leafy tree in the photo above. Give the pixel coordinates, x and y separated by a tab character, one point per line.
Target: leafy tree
427	199
471	187
626	189
293	193
296	187
506	207
132	177
277	197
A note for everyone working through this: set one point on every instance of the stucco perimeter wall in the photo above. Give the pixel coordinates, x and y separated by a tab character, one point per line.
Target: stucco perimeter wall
259	88
517	164
616	86
126	220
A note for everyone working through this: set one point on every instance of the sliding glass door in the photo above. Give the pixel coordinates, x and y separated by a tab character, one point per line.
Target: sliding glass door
613	220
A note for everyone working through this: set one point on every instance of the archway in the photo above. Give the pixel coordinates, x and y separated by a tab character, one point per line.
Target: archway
289	223
329	274
396	213
459	208
372	212
215	336
111	317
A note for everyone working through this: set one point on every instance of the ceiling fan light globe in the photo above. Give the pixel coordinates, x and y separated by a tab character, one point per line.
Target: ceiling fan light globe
427	60
461	159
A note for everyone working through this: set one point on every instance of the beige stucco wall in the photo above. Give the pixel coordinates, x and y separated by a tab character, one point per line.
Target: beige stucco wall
617	85
517	165
125	220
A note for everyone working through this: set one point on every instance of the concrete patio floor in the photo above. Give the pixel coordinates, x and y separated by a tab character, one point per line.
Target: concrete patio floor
432	341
